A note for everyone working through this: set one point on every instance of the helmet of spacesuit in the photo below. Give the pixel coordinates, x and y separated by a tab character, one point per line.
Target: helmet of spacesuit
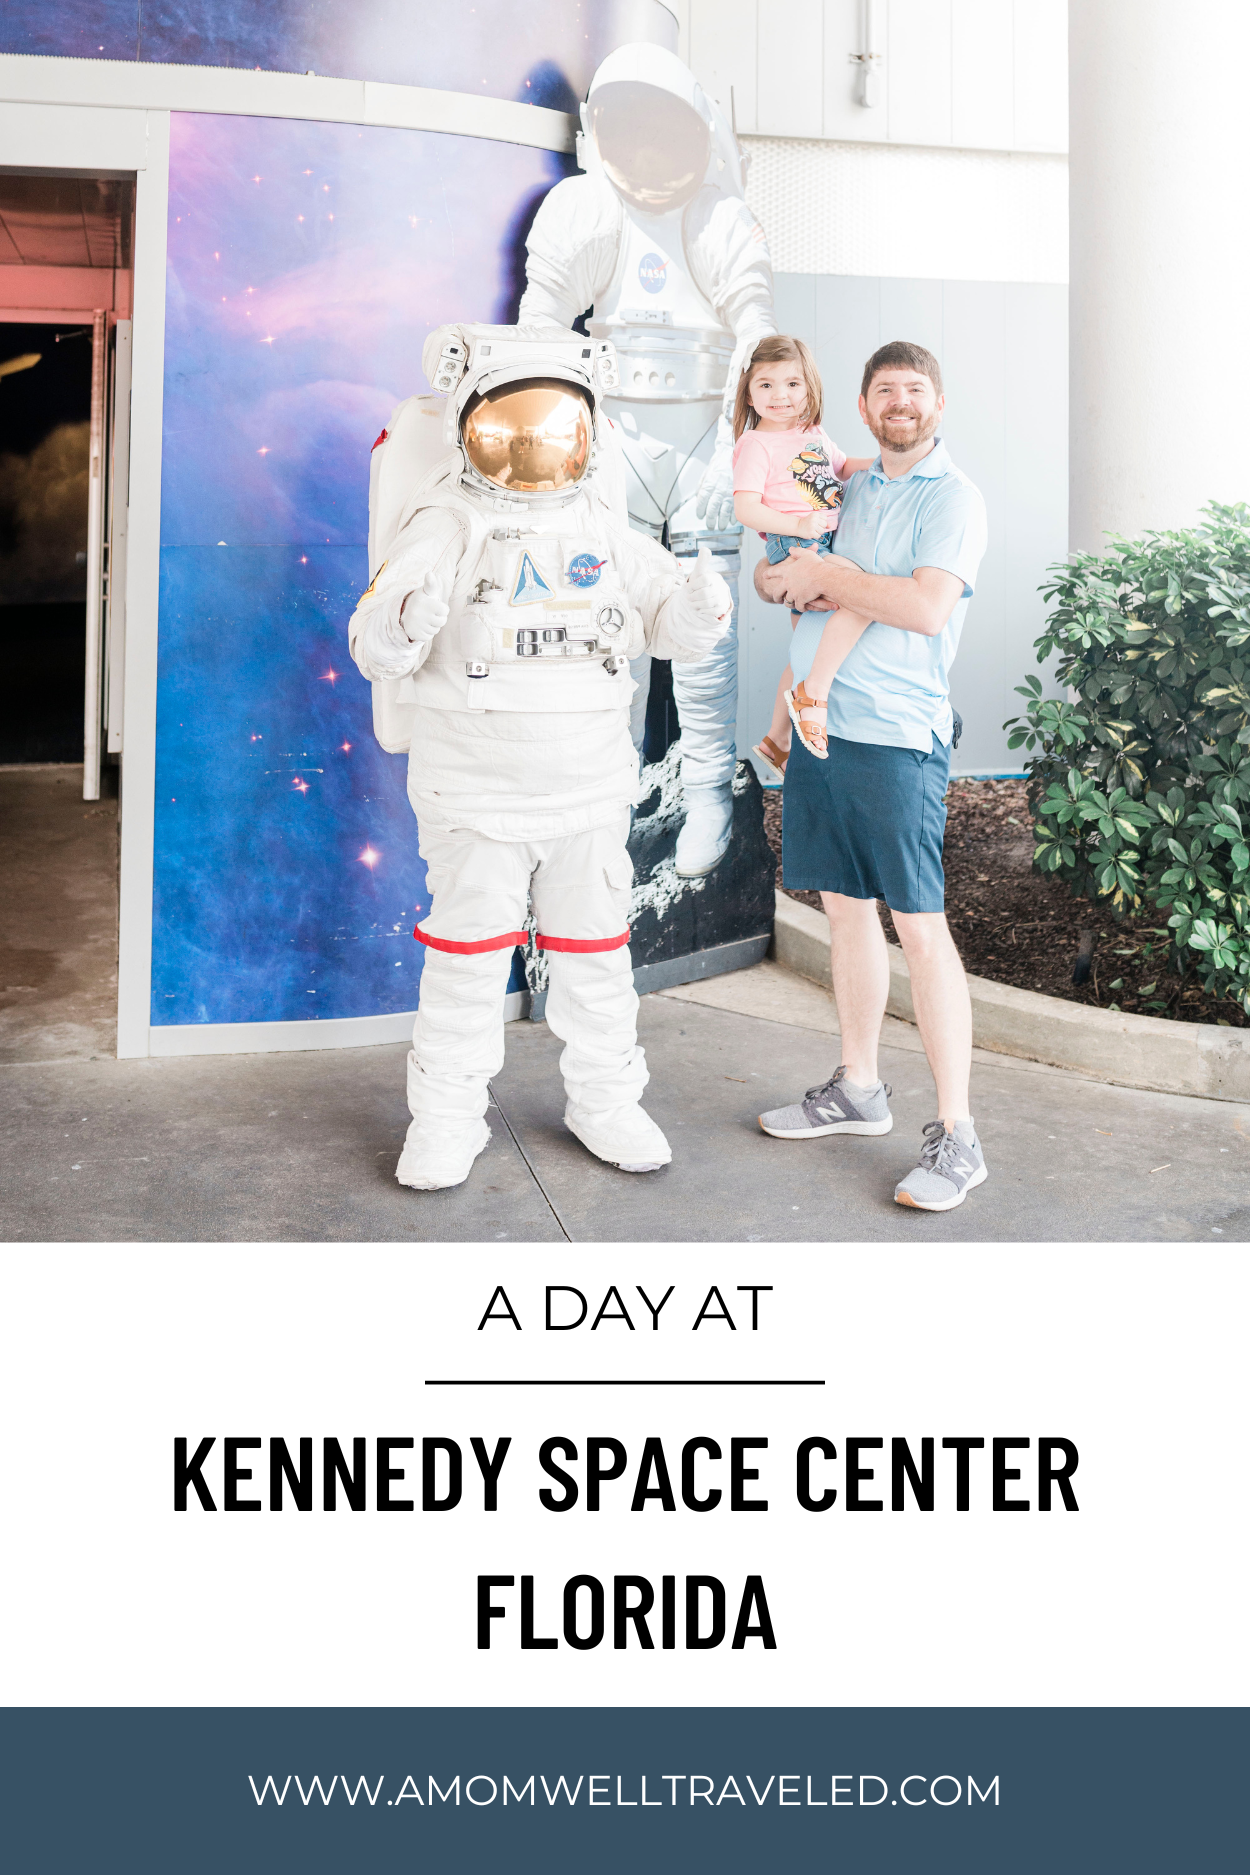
654	132
522	403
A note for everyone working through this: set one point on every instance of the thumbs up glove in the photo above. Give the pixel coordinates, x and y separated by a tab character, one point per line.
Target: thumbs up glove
424	612
699	612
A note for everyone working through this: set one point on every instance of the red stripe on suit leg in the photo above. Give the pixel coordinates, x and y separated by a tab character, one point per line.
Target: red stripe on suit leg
584	944
505	942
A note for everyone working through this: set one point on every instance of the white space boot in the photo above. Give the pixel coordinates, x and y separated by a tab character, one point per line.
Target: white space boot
625	1137
438	1153
704	839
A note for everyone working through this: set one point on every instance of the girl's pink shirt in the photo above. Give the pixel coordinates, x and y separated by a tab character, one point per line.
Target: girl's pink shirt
790	470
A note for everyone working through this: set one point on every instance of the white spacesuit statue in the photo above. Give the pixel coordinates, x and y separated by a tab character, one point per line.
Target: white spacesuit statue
498	633
657	238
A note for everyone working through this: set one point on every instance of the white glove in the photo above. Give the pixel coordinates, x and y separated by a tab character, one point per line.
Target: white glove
714	502
709	598
424	612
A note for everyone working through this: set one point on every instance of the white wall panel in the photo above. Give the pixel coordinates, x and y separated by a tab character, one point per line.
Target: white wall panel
789	98
982	75
844	116
1041	75
918	49
991	656
1035	467
723	53
848	331
912	309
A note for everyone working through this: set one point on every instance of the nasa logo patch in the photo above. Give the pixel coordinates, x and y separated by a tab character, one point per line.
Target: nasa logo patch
584	569
652	273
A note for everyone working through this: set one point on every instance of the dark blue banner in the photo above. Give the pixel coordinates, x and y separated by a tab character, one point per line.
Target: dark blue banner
1007	1792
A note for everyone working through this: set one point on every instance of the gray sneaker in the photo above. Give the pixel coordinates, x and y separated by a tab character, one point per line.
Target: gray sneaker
836	1107
950	1165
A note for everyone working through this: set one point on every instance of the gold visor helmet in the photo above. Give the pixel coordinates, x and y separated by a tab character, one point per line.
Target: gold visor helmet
532	436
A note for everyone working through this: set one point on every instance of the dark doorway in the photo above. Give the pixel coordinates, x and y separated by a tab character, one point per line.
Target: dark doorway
45	413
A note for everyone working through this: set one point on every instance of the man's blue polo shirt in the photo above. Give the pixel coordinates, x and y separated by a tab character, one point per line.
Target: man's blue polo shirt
894	686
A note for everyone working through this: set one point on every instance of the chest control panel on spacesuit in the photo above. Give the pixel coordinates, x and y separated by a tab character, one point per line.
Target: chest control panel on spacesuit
550	597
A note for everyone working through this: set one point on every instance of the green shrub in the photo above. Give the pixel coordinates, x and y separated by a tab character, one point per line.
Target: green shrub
1140	784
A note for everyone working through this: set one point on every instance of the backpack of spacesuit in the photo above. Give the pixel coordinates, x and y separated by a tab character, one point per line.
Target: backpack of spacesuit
409	451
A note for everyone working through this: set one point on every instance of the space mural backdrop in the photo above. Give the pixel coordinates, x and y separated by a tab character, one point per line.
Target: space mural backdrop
307	261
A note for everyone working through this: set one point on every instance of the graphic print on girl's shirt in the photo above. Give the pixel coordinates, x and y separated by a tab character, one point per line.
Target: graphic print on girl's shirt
814	479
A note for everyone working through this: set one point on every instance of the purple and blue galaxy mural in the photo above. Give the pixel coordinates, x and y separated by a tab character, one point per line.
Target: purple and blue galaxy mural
483	48
307	262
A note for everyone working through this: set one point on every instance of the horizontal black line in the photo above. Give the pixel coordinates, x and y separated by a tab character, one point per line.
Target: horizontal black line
625	1383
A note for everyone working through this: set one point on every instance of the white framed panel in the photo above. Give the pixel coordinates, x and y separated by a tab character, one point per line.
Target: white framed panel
912	310
919	56
1035	480
982	75
723	54
790	83
1040	32
143	558
848	332
972	358
975	74
845	35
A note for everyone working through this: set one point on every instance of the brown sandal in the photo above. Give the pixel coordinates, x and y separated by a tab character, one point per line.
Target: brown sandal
802	710
771	757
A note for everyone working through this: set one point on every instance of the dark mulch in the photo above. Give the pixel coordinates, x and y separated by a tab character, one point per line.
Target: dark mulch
1016	927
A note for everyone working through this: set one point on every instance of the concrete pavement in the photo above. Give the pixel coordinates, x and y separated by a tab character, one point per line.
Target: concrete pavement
302	1147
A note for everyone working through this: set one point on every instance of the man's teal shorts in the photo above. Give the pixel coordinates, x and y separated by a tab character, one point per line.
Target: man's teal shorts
867	823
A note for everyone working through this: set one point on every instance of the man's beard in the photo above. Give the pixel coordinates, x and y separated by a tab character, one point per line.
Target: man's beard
900	445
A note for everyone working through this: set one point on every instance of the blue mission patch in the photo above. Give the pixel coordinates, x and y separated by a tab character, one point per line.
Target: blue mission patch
652	273
529	587
584	569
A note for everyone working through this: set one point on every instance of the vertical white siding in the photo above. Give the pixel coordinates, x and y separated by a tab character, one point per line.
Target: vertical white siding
789	101
976	74
844	117
723	53
1041	74
982	75
918	50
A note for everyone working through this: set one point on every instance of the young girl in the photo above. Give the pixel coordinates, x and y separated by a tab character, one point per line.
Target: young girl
788	479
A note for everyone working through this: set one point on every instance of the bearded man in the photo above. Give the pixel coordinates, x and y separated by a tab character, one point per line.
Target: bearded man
867	822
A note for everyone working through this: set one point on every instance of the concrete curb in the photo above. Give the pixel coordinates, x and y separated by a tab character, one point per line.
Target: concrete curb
1132	1051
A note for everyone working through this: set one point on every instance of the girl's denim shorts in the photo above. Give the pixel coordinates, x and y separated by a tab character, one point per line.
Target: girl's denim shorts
777	547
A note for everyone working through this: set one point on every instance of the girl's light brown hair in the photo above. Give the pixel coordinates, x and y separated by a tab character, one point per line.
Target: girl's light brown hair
779	350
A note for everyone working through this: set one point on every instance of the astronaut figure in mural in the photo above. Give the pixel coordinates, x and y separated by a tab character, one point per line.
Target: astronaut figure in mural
658	240
498	633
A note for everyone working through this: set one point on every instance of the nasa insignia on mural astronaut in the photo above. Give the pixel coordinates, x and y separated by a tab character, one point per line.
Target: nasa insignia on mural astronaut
509	599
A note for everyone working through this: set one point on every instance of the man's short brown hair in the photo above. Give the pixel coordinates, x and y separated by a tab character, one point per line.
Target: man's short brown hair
899	353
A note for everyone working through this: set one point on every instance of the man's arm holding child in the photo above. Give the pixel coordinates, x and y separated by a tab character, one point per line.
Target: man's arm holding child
921	601
948	546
